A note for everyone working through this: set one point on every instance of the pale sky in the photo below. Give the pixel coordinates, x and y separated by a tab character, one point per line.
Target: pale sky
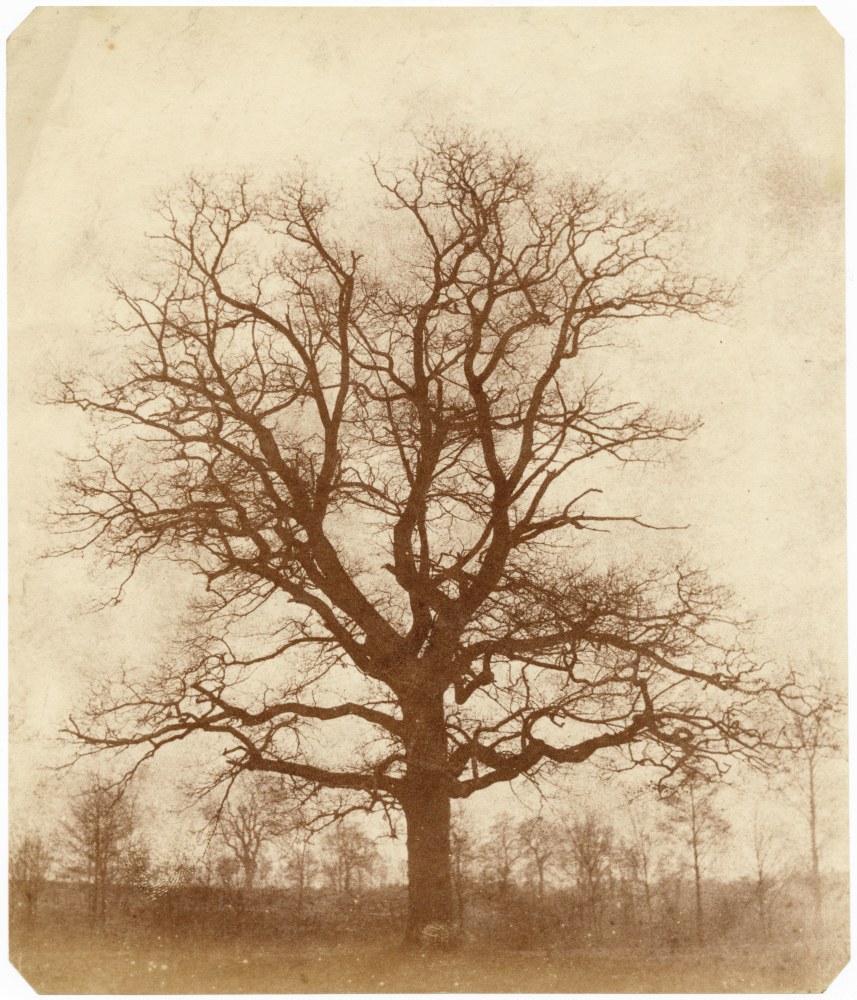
731	119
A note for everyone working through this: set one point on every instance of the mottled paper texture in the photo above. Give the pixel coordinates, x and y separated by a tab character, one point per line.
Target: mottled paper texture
729	121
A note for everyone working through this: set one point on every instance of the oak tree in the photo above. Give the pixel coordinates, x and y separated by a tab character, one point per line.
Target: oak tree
373	452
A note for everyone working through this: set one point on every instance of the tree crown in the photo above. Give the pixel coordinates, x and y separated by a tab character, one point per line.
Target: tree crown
376	466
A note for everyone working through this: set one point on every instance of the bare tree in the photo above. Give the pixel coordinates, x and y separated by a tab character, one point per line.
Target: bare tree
98	827
814	734
641	851
375	459
244	831
463	856
252	818
501	853
351	859
700	824
301	863
30	863
764	871
591	856
539	841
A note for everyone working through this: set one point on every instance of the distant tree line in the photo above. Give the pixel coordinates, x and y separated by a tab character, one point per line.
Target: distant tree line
568	875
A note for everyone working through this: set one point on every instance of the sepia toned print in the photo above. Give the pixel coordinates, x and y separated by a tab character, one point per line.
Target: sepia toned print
427	508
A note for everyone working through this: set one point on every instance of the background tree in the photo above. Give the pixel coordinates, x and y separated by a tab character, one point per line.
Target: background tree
463	857
351	860
813	734
244	831
765	881
300	863
375	457
250	819
698	821
641	854
30	863
539	842
500	855
591	856
99	825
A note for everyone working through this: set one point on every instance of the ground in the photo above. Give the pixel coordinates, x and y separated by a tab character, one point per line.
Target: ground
148	963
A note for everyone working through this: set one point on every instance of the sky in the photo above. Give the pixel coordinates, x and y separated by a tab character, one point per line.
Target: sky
730	119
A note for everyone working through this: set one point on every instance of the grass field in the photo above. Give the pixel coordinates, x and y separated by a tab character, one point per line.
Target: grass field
82	963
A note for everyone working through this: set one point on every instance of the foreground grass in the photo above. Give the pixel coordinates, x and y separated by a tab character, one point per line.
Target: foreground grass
149	963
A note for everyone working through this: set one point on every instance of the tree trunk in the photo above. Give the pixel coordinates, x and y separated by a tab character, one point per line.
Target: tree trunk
430	896
647	890
102	901
302	879
426	805
761	893
250	868
697	874
813	840
697	878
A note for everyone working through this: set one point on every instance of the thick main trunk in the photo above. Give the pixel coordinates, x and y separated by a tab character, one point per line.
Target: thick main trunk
430	896
427	811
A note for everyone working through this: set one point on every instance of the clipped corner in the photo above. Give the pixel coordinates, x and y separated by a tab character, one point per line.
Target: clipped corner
843	983
830	17
15	984
30	24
